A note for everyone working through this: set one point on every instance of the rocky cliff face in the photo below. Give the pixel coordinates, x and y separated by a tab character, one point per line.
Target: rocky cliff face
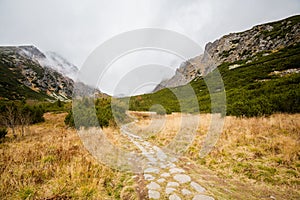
237	46
49	60
20	65
26	72
59	64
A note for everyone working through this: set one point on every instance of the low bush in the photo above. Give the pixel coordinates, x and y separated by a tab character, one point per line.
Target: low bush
15	114
3	132
103	112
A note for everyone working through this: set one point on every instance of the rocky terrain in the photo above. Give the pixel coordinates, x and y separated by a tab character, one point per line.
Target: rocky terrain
26	72
164	178
50	60
20	68
265	38
60	64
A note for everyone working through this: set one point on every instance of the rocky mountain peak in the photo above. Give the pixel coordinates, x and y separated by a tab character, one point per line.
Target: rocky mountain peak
31	52
26	72
22	76
237	46
266	37
49	60
57	62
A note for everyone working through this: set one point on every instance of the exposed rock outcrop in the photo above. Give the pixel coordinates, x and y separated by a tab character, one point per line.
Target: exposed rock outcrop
237	46
22	63
26	72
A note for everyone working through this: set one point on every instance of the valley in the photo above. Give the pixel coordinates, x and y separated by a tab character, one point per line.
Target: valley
63	139
50	162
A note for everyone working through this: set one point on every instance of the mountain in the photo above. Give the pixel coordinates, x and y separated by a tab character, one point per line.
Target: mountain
261	75
28	73
50	60
269	84
60	64
237	46
22	76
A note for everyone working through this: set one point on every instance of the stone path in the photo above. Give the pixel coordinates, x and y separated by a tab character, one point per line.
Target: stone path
164	178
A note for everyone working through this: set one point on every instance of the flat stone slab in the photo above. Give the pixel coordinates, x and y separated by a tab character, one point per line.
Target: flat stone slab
202	197
153	194
182	178
170	190
151	158
161	180
148	177
147	144
173	159
186	192
171	164
165	175
151	170
197	187
151	163
172	184
151	152
176	170
162	166
153	186
174	197
161	155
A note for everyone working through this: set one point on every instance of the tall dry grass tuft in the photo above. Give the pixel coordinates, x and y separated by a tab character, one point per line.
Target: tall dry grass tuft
265	149
51	163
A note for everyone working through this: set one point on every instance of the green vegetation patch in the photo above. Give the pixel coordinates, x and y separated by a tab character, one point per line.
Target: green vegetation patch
251	89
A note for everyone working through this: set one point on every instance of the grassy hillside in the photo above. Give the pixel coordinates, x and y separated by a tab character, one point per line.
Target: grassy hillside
261	85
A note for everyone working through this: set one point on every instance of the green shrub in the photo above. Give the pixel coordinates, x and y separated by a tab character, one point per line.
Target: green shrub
58	106
36	114
18	113
102	112
69	120
3	132
158	109
26	193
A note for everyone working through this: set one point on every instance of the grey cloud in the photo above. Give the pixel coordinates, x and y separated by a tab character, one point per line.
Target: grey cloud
74	28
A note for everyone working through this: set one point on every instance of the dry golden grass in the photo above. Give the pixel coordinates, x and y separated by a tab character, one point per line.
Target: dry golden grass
159	129
255	158
261	151
51	163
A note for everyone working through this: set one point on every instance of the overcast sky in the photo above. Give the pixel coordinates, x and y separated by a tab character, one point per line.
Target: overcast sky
74	28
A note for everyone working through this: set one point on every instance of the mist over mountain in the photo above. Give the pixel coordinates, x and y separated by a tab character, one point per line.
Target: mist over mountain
28	73
50	59
60	64
22	76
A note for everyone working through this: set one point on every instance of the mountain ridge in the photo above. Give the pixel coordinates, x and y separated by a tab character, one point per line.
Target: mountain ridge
269	84
22	76
232	47
50	59
28	73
